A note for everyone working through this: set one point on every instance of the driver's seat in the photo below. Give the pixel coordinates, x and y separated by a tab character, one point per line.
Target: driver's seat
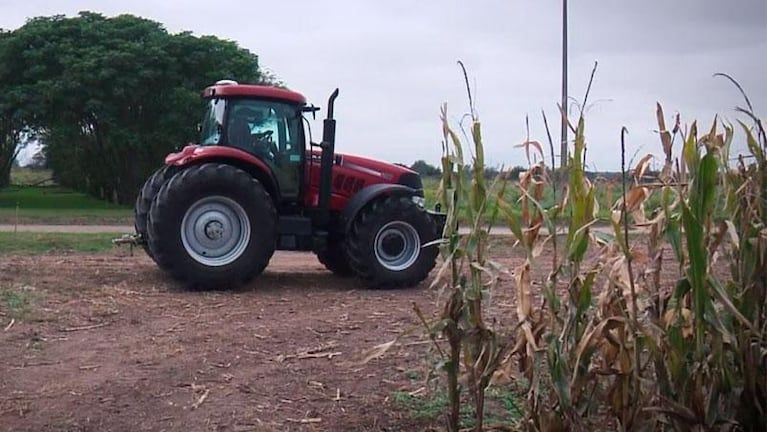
239	133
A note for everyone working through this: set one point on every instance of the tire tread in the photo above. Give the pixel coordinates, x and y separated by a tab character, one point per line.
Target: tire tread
183	183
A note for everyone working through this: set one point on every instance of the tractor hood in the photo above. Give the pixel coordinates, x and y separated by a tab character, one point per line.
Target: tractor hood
369	171
388	172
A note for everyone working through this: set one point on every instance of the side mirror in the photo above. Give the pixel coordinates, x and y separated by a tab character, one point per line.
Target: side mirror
311	109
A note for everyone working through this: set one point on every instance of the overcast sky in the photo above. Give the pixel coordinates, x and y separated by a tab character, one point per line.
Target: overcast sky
395	62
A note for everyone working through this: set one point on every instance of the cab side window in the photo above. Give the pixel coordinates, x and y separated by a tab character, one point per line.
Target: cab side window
270	131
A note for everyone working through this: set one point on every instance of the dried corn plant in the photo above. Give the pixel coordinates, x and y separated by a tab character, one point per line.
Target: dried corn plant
556	343
709	349
654	354
467	277
616	335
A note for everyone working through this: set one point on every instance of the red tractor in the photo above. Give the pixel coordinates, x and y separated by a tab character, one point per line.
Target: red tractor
214	214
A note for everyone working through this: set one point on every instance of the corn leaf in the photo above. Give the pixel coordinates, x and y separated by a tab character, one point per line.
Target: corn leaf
696	250
703	194
753	145
559	373
690	154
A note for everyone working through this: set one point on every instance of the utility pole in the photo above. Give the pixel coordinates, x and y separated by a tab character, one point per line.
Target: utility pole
563	142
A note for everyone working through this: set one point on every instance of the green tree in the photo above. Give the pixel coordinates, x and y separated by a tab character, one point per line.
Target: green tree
10	138
110	97
11	127
425	169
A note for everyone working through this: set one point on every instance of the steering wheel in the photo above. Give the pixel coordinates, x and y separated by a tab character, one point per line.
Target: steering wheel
263	142
265	135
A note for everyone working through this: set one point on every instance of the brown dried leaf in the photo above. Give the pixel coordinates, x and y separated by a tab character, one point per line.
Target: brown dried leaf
659	115
527	145
590	339
665	136
670	317
615	215
609	352
524	300
733	234
641	167
377	351
635	197
538	249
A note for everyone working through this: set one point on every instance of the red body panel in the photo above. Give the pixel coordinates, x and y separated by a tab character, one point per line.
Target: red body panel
350	174
192	153
254	91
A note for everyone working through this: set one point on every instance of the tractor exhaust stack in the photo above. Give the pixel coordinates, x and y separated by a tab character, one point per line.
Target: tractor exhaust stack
326	162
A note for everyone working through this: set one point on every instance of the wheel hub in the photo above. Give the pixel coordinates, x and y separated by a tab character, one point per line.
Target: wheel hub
397	245
215	231
393	244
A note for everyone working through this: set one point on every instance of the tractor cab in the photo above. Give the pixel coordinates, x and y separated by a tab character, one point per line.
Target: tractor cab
262	121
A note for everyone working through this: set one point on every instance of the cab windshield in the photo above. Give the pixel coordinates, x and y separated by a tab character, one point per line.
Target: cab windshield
212	123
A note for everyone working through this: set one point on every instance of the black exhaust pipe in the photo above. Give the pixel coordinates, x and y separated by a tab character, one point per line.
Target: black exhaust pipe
328	145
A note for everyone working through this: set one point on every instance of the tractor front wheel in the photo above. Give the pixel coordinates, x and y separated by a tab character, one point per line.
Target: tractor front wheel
212	226
386	241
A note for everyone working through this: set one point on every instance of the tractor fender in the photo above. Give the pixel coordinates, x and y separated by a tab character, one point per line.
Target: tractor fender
195	155
369	194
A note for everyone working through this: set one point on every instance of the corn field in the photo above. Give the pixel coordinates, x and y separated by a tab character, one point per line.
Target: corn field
612	341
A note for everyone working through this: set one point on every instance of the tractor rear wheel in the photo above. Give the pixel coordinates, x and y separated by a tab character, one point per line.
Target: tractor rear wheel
212	226
335	259
385	243
144	202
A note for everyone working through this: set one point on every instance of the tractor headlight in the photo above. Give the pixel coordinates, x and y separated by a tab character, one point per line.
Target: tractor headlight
420	201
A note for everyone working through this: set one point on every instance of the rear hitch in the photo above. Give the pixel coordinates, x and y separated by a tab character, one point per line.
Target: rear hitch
129	239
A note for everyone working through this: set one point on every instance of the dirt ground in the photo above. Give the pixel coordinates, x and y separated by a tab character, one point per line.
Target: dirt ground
110	344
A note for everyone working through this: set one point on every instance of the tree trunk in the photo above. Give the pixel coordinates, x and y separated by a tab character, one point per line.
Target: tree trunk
5	176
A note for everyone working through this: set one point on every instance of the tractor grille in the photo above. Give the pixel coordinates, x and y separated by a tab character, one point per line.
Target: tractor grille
412	180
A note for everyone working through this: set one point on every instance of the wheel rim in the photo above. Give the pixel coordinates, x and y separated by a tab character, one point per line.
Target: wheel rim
215	231
397	245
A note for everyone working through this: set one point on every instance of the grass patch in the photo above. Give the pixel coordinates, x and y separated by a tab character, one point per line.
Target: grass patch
66	217
39	243
16	303
54	204
31	176
502	407
51	197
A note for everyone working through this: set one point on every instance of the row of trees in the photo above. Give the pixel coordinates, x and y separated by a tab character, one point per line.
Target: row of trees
108	97
427	170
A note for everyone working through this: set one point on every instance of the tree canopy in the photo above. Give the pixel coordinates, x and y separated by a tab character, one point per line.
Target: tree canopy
425	169
108	97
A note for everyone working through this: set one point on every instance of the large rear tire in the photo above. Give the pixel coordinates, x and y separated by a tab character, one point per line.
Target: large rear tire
385	243
144	201
212	226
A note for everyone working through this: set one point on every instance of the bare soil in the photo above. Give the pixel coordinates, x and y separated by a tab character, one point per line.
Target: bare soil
109	343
